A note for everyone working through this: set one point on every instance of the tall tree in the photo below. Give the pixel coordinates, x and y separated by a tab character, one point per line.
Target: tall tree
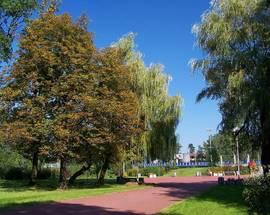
235	36
69	65
114	116
44	94
224	145
200	154
211	152
118	108
158	111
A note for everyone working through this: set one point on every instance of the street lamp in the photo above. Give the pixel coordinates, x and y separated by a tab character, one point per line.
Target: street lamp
210	141
236	132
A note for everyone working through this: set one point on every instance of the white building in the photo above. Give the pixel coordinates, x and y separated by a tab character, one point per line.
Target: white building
182	157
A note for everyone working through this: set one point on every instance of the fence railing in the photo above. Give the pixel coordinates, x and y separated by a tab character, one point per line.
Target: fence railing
179	164
191	164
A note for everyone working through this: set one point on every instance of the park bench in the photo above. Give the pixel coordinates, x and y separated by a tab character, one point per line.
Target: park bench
229	173
216	173
221	180
123	180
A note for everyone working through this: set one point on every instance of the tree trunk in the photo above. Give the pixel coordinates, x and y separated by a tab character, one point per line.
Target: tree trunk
34	170
265	156
123	168
63	174
79	172
103	171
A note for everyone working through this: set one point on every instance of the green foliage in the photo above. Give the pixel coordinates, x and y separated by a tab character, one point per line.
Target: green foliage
191	148
16	173
235	36
13	13
221	144
211	152
158	111
224	144
244	170
218	169
159	171
257	194
133	172
110	174
10	159
200	155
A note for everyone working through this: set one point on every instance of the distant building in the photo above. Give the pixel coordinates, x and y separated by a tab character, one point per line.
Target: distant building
55	165
182	157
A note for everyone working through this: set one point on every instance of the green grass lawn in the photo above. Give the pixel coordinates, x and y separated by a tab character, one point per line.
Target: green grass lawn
187	171
17	193
219	200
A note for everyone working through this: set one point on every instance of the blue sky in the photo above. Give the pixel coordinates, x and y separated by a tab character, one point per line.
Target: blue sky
163	29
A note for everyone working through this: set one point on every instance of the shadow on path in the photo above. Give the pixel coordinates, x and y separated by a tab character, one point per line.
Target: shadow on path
68	209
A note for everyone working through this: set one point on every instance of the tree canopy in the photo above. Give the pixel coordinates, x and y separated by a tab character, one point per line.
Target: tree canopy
234	34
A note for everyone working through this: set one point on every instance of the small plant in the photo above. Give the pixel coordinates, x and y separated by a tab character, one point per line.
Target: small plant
252	166
244	170
257	194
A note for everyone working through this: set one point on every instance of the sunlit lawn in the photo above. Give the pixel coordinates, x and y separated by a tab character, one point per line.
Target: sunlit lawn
16	193
187	171
219	200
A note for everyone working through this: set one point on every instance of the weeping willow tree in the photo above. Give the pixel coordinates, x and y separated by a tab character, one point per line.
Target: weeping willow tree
158	111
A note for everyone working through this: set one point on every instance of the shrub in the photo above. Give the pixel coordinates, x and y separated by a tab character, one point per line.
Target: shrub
16	173
10	159
44	174
257	194
110	173
2	173
216	169
159	171
132	172
229	168
243	169
252	166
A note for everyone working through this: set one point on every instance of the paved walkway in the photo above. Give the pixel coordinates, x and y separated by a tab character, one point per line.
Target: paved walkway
166	191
